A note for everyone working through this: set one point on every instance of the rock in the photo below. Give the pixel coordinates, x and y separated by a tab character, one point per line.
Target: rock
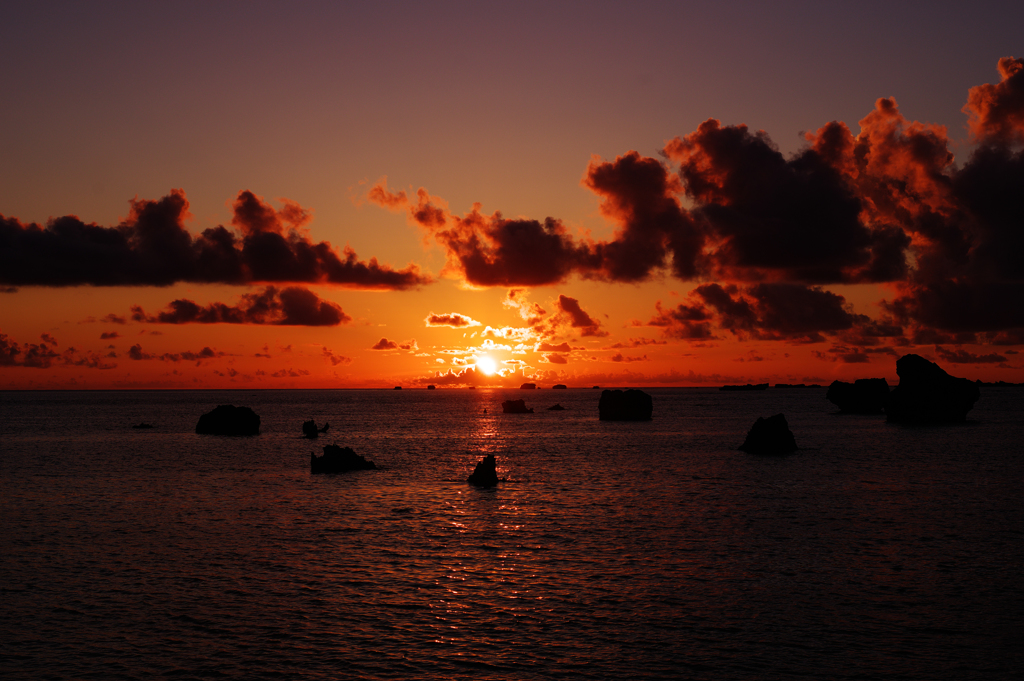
431	387
143	425
486	473
631	405
528	386
338	460
556	407
309	430
863	396
927	394
770	436
398	387
516	407
228	419
560	386
748	386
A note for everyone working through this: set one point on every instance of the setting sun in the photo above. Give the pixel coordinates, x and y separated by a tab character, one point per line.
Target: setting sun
486	365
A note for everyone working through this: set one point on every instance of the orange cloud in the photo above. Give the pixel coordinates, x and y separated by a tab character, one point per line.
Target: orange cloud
452	319
291	306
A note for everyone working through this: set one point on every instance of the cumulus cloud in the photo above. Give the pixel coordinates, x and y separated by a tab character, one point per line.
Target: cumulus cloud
136	353
997	111
44	355
961	356
152	247
291	306
385	344
334	359
451	319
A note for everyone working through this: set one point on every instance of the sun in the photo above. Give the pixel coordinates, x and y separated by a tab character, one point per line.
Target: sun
486	365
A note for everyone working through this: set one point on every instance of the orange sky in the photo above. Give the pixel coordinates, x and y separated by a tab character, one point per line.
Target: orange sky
286	206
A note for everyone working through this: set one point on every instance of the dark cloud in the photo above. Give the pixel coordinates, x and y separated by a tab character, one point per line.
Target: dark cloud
292	306
136	352
334	359
577	318
109	335
961	356
555	359
997	111
619	357
44	355
452	319
385	344
153	248
551	347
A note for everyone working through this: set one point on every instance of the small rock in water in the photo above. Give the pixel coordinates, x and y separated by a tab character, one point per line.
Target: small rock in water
770	436
228	419
864	396
486	473
516	407
338	460
927	394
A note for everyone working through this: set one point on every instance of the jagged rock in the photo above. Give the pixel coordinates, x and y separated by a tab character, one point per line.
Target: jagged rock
770	436
228	419
556	407
516	407
486	473
528	386
338	460
629	405
309	430
927	394
863	396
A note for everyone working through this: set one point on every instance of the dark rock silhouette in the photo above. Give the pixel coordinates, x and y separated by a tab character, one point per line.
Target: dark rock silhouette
863	396
629	405
516	407
486	473
797	385
770	436
927	394
431	387
560	386
309	430
398	387
556	407
326	426
338	460
228	419
143	425
748	386
528	386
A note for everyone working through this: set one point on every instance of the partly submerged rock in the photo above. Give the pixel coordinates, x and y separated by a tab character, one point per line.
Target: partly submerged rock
228	419
863	396
528	386
516	407
629	405
431	387
309	430
770	436
486	473
338	460
560	386
556	407
927	394
143	425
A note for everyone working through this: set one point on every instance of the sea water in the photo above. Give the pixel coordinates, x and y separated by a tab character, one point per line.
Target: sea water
611	550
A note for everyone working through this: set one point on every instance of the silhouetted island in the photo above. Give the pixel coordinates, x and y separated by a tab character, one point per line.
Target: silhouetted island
528	386
485	474
431	387
398	387
863	396
770	436
338	460
516	407
629	405
927	394
556	407
560	386
797	385
748	386
228	419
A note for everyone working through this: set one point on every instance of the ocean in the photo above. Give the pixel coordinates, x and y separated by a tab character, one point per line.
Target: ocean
612	550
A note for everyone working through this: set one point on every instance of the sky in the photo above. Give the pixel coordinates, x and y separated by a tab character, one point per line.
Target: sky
355	195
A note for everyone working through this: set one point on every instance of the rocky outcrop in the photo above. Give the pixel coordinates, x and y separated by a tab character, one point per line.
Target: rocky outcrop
338	460
486	473
556	407
310	430
516	407
770	436
528	386
747	386
927	394
629	405
228	419
863	396
560	386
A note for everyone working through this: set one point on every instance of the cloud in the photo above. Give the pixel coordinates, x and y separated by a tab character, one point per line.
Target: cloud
291	306
550	347
151	247
335	360
109	335
136	352
997	111
385	344
961	356
43	355
619	357
452	319
636	342
555	359
578	318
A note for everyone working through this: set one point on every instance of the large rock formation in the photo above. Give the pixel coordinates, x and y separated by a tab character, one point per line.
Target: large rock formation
863	396
631	405
927	394
338	460
516	407
486	473
770	436
228	419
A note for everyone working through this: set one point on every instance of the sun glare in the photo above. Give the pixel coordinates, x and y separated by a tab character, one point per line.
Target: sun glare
486	365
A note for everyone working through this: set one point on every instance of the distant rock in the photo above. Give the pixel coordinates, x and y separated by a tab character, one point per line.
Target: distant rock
556	407
560	386
143	425
398	387
528	386
629	405
338	460
863	396
596	387
770	436
797	385
516	407
228	419
310	430
431	387
927	394
748	386
486	473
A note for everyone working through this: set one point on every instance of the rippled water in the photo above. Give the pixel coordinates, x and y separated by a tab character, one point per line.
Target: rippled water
613	550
